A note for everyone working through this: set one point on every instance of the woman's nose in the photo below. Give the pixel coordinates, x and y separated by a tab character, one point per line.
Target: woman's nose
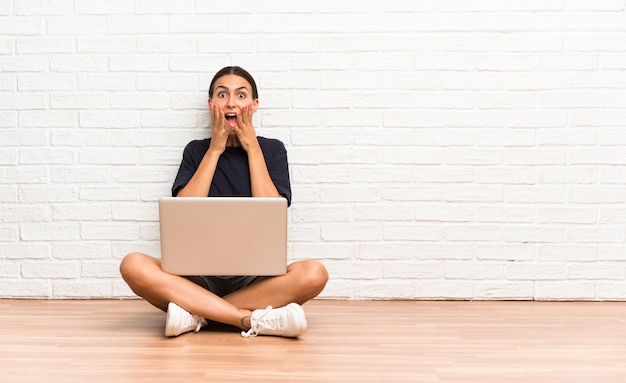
230	101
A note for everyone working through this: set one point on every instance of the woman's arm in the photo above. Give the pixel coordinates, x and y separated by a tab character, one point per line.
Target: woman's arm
260	180
262	184
200	183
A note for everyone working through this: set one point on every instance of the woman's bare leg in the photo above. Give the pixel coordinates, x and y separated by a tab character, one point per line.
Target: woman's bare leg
145	277
304	280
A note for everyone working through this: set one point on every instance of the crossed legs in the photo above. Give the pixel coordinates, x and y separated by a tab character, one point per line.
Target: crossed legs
303	281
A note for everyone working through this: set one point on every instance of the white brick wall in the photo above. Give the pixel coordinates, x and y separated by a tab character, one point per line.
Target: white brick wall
439	149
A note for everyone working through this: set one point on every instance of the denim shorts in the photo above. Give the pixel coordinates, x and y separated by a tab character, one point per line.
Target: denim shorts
222	286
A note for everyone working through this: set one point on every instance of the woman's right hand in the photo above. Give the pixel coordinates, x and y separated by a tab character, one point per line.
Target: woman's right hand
219	129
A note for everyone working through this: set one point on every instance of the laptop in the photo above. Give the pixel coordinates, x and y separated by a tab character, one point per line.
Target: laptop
222	236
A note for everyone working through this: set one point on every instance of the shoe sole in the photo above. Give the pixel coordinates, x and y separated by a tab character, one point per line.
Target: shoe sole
300	318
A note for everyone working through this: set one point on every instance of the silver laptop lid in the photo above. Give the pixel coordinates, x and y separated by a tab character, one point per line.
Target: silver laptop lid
220	236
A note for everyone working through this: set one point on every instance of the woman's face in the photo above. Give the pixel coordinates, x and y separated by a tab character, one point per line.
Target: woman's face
231	93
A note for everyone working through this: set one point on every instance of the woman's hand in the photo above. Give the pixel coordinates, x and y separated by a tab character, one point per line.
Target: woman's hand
245	130
220	130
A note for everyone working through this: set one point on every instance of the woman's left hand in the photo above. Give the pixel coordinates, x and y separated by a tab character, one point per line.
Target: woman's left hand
245	130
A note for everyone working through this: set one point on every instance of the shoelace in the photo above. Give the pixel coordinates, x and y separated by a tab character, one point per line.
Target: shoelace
254	329
201	322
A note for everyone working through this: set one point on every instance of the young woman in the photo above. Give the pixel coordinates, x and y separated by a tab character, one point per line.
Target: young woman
233	162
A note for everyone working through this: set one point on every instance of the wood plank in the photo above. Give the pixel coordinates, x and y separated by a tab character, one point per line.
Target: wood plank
347	341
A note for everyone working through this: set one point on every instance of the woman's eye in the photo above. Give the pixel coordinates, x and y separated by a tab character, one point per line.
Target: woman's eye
241	95
221	94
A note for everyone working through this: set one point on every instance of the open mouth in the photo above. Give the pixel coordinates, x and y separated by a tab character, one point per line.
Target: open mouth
231	118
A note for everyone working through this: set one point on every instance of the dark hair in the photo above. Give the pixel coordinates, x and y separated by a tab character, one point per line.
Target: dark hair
237	71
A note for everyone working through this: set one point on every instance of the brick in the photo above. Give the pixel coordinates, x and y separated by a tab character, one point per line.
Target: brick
353	232
444	251
536	156
504	290
76	25
535	271
47	193
106	82
79	101
43	7
383	289
505	175
8	82
19	288
55	156
444	289
49	270
384	212
167	82
8	156
83	288
33	174
49	231
564	290
135	212
164	7
112	7
107	193
25	213
78	63
24	250
120	231
85	211
198	24
9	270
22	101
21	26
165	44
611	215
477	271
534	234
106	156
581	215
47	119
505	252
140	173
135	25
138	64
109	119
321	213
100	270
385	251
601	5
411	231
567	252
413	270
600	271
78	137
28	45
505	137
599	194
510	214
112	45
594	234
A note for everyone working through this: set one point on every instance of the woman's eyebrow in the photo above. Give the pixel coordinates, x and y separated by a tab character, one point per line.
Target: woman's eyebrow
225	87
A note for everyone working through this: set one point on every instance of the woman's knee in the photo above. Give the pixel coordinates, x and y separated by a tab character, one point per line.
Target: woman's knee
315	276
133	267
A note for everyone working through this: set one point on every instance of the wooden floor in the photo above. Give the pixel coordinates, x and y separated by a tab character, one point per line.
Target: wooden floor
347	341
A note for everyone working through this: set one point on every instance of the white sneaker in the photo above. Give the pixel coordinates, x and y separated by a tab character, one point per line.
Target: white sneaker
180	321
288	321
